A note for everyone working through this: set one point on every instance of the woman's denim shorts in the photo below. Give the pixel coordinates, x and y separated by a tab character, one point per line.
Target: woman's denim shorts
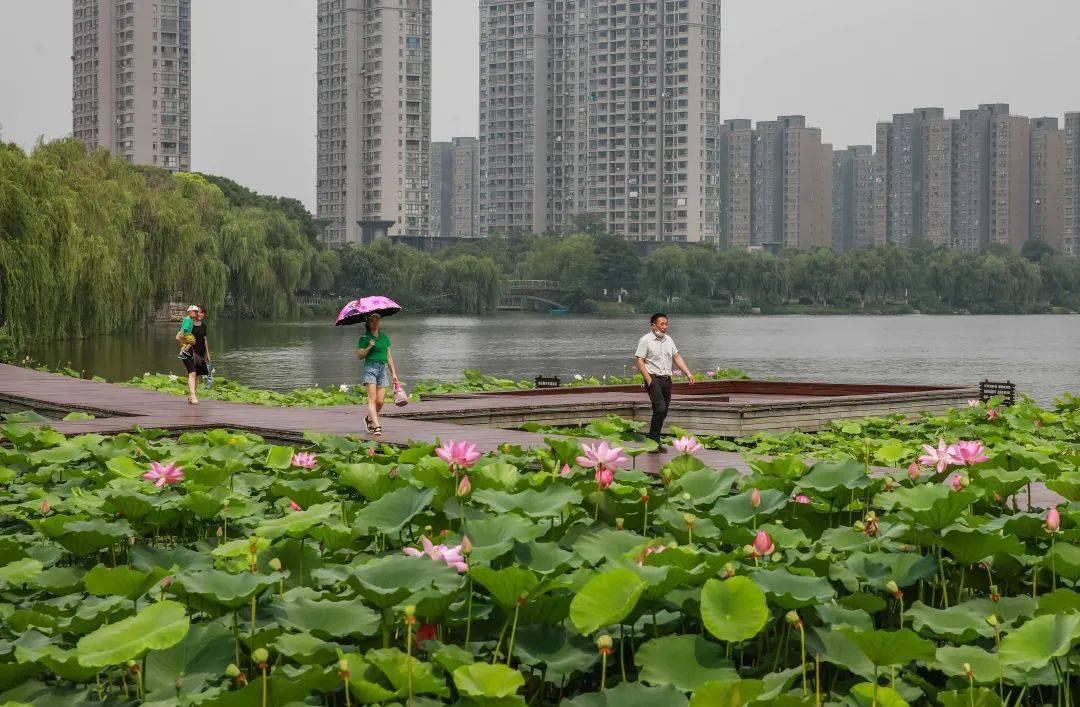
378	373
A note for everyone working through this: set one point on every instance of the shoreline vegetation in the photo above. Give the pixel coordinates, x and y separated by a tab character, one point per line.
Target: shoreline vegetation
92	245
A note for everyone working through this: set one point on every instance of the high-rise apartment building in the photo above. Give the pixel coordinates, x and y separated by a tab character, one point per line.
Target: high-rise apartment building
1072	184
1047	210
454	188
600	109
853	198
131	79
736	182
936	188
972	150
902	146
374	119
1010	181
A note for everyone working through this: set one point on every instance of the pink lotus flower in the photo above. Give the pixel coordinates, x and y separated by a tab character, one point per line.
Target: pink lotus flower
687	445
991	414
162	474
45	507
294	505
913	472
371	452
802	499
459	455
1053	520
657	549
464	486
969	452
604	477
755	498
566	471
974	403
957	482
710	374
941	457
450	556
601	455
304	460
763	544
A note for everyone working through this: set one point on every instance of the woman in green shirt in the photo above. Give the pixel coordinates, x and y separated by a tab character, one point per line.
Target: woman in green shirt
379	370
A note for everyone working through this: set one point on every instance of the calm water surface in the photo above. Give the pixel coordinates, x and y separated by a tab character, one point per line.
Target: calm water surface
1039	353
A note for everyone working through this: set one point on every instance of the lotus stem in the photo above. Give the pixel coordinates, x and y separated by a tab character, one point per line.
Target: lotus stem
802	659
100	692
498	644
513	630
253	602
265	687
603	671
408	655
468	612
1053	565
622	642
817	680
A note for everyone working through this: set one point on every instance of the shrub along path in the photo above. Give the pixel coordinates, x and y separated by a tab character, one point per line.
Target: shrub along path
121	408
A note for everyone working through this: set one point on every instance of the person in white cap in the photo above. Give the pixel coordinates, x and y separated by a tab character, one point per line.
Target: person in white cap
185	336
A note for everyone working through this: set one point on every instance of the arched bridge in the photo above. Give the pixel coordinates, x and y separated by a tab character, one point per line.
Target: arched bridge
528	294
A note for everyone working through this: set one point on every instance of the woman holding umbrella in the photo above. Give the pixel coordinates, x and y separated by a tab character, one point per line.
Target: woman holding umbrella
374	349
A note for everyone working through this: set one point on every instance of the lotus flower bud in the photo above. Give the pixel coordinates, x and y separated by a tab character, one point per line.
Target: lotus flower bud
793	619
133	666
260	656
860	526
410	614
165	582
992	620
749	550
1053	520
253	544
994	596
343	667
689	519
666	477
218	531
604	643
619	522
232	671
893	589
913	472
464	486
466	545
729	570
275	564
644	498
45	507
968	672
889	484
755	498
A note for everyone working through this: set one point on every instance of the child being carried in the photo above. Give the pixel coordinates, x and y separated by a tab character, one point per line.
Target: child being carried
185	335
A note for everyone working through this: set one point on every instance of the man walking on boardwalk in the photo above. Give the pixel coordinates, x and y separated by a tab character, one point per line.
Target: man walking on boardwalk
655	354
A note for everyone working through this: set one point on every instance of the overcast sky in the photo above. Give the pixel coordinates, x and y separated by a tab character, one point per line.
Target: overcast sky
845	64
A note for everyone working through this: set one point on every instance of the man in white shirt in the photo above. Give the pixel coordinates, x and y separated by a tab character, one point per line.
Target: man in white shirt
655	354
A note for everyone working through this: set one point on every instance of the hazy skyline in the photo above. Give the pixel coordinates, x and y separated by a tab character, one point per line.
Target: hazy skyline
845	64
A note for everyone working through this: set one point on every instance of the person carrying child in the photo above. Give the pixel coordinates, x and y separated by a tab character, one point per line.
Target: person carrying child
185	335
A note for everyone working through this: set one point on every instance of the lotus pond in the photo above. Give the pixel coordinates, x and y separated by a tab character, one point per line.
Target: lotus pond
214	568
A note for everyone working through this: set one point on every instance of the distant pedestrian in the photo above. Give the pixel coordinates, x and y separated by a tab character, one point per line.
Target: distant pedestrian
379	370
655	354
197	362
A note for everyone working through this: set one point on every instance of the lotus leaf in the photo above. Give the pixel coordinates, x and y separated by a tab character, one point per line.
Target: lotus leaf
705	485
972	546
835	480
20	571
957	623
205	651
632	694
884	648
1064	559
295	524
733	609
686	661
483	680
866	694
158	626
791	590
736	510
1061	601
508	586
387	581
977	697
215	587
605	599
599	545
278	457
986	667
721	693
327	618
372	480
493	536
1040	640
551	647
126	582
534	504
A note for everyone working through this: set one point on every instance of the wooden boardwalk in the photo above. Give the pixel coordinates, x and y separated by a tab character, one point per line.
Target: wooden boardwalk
120	409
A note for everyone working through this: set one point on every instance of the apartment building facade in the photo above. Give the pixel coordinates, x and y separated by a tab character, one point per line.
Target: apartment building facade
1047	209
131	79
591	108
853	198
1072	184
454	188
736	183
442	182
374	119
1010	181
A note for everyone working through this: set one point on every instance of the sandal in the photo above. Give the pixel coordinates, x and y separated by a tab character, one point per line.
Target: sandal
192	400
377	430
367	423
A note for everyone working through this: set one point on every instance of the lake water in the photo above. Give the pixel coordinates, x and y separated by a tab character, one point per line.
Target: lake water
1041	354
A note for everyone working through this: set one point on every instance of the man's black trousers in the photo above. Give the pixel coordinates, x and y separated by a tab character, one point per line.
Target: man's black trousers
660	397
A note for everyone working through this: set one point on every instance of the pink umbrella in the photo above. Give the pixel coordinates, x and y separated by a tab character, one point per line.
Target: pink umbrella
360	309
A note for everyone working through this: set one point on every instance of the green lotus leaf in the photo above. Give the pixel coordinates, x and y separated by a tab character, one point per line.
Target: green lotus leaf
837	616
482	680
1067	485
879	568
737	510
605	599
932	506
549	503
364	680
371	480
451	657
222	588
126	467
835	479
596	546
146	558
1003	482
393	511
296	523
891	452
122	580
496	475
305	492
278	457
631	694
884	648
956	624
687	662
205	651
83	537
978	697
20	571
394	664
726	693
158	626
705	485
1064	560
495	535
389	580
1040	640
508	585
326	618
305	648
284	686
65	453
792	591
60	580
866	694
1061	601
733	609
972	546
561	655
986	667
544	558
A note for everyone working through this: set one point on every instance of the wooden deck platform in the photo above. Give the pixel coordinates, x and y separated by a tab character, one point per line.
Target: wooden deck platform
120	409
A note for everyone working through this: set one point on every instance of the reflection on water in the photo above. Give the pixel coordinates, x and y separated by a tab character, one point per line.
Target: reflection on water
1040	353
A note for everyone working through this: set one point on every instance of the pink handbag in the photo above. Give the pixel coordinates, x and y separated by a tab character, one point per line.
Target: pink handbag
401	398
